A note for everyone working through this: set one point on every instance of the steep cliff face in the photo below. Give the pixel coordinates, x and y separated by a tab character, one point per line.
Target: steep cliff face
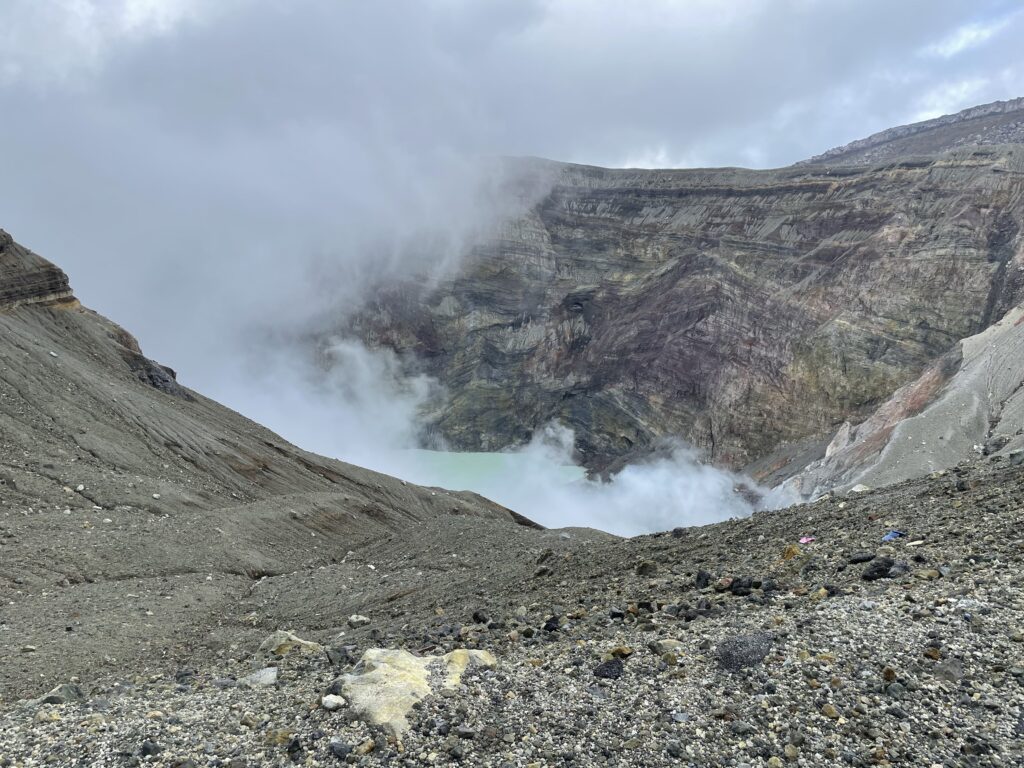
740	310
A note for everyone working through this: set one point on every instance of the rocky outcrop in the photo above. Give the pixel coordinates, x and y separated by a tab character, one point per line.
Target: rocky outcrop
25	278
1001	122
744	311
969	402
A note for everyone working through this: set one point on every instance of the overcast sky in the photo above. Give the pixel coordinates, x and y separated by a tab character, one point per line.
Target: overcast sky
192	163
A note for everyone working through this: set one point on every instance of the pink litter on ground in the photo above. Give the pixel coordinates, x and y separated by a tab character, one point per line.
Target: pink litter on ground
806	539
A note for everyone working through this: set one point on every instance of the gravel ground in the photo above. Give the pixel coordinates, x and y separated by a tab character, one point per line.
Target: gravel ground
726	645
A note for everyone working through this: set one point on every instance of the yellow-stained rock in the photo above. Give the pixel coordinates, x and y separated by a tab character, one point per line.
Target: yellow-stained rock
386	684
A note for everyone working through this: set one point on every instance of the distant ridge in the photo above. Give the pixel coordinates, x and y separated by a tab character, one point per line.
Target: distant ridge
1001	122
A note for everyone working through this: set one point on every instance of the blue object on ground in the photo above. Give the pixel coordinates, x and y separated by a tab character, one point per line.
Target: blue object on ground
893	535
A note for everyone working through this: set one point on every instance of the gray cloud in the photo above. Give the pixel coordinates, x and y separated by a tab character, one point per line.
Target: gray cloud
186	145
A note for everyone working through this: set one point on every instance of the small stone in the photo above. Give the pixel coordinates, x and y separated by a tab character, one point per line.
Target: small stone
341	655
895	690
281	643
331	702
741	728
260	678
339	749
863	556
356	620
667	645
878	569
149	748
609	670
62	694
280	736
465	732
647	568
898	569
830	711
742	651
950	670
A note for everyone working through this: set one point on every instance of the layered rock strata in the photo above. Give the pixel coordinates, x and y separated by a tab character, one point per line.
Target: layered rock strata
742	311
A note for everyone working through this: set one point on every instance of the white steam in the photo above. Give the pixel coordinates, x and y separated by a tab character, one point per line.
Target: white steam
357	404
658	495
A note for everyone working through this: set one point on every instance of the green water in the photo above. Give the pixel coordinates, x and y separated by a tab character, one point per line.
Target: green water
482	472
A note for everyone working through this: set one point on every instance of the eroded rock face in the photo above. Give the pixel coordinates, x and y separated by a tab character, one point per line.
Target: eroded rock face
740	310
969	402
26	278
1001	122
388	683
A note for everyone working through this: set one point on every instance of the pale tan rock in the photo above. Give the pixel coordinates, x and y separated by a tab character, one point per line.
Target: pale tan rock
282	642
386	684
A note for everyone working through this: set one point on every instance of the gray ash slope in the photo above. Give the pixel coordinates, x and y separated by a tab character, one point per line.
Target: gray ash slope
842	651
150	540
116	480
